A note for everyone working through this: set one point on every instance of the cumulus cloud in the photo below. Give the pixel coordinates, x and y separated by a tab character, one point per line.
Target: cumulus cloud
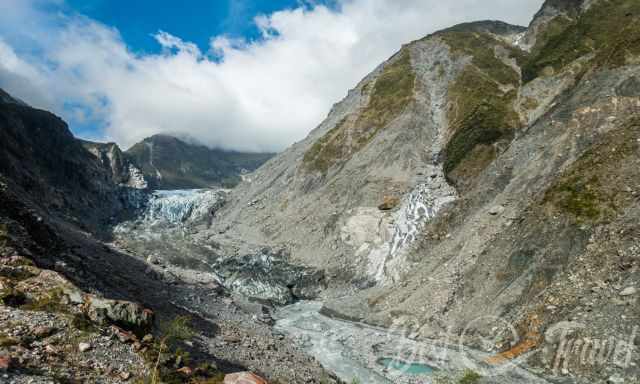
257	95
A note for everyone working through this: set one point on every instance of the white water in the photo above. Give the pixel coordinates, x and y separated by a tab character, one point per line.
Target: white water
388	261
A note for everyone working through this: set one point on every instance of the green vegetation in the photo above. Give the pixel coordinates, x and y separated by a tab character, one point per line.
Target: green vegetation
83	323
12	298
590	190
8	341
609	29
18	273
165	356
327	150
581	199
478	46
50	301
173	332
481	115
469	377
391	93
189	165
481	111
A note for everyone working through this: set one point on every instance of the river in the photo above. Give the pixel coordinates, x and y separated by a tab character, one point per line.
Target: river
364	354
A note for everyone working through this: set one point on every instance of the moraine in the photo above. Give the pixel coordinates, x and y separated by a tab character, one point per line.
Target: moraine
352	351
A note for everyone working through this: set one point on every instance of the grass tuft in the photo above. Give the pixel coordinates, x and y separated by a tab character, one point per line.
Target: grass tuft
469	377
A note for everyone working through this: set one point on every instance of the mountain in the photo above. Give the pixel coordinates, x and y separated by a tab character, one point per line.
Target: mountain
75	308
484	170
46	165
170	163
479	188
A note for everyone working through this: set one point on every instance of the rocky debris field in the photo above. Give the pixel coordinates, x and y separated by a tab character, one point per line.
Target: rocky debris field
50	330
119	318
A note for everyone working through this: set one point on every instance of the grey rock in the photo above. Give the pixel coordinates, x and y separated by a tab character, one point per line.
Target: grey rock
629	291
616	379
126	314
496	210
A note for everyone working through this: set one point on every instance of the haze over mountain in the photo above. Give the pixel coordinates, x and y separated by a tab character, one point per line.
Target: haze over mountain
170	163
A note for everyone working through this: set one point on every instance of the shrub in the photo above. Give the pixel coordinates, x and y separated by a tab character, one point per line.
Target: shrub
469	377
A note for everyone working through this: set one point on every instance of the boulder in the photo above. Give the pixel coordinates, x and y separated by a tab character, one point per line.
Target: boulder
126	314
185	371
388	203
243	378
496	210
629	291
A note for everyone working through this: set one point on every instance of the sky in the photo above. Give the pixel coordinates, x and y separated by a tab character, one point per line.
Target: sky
234	74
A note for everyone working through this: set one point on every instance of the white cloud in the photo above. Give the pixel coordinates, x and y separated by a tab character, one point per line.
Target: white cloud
259	95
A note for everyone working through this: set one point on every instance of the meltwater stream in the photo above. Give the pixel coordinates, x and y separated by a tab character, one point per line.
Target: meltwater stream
370	355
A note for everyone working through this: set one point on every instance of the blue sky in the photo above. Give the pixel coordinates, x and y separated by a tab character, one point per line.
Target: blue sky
195	21
253	75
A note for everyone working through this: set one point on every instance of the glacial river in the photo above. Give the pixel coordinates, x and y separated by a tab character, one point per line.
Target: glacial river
370	355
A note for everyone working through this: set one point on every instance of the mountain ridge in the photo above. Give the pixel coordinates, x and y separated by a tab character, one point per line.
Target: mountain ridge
168	162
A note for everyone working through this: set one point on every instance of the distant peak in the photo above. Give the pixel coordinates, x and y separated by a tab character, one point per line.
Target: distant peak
495	27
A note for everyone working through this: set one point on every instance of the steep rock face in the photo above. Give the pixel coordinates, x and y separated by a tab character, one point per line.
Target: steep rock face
123	171
170	163
40	156
485	169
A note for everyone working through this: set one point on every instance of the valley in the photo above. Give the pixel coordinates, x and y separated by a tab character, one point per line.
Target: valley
468	214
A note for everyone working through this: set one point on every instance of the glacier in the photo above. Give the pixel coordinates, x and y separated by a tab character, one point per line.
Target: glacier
180	206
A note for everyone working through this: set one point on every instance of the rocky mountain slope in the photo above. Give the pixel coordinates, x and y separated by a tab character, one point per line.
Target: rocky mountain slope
170	163
484	170
74	308
40	158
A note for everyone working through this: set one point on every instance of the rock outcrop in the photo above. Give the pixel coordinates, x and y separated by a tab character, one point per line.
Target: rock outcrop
123	171
40	157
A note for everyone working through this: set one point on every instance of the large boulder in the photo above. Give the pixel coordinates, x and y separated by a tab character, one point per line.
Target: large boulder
126	314
268	276
244	378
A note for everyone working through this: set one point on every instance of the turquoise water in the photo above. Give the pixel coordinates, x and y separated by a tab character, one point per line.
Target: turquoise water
405	367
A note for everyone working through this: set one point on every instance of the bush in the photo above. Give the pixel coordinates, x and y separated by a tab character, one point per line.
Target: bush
469	377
